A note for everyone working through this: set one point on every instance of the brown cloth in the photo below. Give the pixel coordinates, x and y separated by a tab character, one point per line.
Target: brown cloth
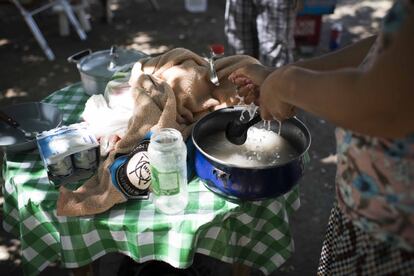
171	90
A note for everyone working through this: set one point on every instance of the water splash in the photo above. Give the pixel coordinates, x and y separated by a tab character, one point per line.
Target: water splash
280	127
251	109
267	124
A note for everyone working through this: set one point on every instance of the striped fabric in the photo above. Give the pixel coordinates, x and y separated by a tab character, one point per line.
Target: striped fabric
262	29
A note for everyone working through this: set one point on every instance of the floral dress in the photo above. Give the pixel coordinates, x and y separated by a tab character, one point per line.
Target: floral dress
371	228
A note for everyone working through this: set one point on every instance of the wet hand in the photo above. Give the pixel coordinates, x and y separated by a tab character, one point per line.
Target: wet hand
248	80
272	105
247	91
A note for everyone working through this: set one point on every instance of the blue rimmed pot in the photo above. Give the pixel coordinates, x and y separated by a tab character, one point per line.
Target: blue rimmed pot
237	183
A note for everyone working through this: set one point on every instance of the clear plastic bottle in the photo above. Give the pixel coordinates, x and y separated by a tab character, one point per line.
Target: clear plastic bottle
167	154
335	37
196	5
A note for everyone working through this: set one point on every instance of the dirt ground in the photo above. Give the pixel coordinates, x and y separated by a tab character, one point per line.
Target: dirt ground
26	75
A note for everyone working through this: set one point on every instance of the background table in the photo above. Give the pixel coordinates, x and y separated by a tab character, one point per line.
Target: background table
256	234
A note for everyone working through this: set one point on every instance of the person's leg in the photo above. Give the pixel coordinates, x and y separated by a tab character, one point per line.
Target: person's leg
240	27
275	27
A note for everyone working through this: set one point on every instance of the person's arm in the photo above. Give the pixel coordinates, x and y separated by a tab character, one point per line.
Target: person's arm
349	56
376	102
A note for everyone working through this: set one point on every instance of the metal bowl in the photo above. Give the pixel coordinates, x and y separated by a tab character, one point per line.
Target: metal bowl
236	183
32	117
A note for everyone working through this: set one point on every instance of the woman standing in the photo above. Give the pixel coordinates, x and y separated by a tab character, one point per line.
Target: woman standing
369	97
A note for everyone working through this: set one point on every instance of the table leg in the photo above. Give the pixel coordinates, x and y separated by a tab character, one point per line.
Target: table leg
240	270
86	270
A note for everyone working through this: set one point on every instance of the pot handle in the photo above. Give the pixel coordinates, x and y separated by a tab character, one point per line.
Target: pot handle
113	54
222	176
79	55
8	120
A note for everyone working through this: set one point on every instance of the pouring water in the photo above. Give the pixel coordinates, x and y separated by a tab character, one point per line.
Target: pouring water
236	130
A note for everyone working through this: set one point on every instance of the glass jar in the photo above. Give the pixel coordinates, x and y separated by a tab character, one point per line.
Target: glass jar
167	154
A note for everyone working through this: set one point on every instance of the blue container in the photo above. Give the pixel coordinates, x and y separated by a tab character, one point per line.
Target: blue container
318	7
241	183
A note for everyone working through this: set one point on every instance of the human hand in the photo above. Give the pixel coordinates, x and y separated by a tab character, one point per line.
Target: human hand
273	107
248	80
262	86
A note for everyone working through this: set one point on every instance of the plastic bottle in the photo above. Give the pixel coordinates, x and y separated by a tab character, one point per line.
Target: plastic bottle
167	154
196	5
335	37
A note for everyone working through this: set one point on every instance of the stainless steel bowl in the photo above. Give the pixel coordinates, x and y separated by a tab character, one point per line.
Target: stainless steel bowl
32	117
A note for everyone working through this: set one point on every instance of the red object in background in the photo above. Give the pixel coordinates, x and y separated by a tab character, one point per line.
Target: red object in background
217	49
308	30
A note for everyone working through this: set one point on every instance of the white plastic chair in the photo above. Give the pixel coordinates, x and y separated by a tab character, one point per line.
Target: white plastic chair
28	17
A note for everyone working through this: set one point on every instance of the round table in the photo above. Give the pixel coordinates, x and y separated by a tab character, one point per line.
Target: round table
255	234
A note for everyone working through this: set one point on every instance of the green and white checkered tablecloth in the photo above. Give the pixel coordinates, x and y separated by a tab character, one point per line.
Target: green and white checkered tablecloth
254	233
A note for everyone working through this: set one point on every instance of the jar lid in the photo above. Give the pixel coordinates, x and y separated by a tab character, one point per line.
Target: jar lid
105	63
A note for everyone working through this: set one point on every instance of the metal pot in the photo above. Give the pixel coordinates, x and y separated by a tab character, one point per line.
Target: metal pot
96	69
237	183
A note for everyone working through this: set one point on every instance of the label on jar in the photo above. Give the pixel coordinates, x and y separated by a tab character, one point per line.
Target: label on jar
165	183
